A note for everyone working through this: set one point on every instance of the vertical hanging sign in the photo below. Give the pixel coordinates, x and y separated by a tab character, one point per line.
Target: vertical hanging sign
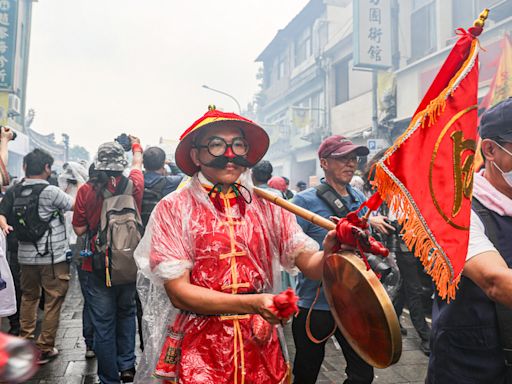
8	28
372	34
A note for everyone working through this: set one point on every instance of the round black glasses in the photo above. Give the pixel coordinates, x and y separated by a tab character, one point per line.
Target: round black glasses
217	146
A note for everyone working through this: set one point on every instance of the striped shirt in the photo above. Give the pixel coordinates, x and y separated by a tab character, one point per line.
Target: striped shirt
51	199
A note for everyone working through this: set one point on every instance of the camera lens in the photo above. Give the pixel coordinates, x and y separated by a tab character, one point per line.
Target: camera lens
393	239
124	141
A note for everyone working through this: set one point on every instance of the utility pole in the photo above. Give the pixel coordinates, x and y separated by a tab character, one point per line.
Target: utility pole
375	106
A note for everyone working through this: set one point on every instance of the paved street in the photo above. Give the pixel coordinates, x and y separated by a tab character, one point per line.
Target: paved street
71	367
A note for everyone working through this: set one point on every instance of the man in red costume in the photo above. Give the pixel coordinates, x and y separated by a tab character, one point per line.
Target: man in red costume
216	248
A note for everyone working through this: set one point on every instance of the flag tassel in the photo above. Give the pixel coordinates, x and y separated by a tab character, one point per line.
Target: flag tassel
416	235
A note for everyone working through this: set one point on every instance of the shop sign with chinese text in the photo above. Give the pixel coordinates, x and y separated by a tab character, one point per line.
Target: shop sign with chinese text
372	34
8	27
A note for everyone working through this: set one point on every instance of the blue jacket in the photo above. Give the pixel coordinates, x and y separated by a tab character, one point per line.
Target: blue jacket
152	178
306	288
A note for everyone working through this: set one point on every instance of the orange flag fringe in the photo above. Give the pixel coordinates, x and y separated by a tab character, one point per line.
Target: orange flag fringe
426	177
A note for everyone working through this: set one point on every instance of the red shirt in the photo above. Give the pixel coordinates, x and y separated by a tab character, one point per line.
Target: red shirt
88	204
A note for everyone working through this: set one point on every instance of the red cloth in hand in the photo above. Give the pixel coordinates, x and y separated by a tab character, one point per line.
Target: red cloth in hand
285	304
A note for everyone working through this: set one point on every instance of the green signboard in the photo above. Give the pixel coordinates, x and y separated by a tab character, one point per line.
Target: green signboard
8	28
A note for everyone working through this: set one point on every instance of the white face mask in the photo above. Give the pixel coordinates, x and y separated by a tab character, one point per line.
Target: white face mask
506	175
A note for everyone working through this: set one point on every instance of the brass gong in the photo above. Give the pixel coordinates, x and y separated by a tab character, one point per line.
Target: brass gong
362	309
359	303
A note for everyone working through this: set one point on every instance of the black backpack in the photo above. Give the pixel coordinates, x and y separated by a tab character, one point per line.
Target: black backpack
28	225
151	198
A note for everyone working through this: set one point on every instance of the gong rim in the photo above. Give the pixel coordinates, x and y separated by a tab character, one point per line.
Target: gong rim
362	309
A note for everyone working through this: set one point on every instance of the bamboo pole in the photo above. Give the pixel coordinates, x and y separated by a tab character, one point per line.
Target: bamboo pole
299	211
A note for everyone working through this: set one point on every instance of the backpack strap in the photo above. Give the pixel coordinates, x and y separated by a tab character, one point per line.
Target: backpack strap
160	185
156	190
503	313
128	189
124	187
332	198
37	188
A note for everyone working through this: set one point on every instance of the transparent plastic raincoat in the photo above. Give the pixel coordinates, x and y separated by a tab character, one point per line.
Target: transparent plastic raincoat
73	174
225	251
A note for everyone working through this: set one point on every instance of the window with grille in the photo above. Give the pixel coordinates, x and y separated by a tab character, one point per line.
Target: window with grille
303	46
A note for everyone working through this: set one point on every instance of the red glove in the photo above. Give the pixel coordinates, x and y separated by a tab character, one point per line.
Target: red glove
285	304
352	231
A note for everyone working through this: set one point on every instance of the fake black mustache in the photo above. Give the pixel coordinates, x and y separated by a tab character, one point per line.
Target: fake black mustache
221	162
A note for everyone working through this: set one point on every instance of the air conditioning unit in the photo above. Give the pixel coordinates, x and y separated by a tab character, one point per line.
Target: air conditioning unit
14	104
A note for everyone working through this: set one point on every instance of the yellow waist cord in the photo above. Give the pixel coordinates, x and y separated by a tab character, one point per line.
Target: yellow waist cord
238	343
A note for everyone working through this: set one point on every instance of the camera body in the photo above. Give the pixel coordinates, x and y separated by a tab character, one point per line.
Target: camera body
394	239
124	141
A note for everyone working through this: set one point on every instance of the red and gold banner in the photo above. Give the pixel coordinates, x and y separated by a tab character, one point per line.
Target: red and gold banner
501	84
500	88
426	177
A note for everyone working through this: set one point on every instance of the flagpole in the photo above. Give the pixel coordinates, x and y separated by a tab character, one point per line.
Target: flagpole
375	115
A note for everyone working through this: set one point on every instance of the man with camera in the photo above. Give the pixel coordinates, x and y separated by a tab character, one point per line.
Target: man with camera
471	336
333	197
35	210
112	303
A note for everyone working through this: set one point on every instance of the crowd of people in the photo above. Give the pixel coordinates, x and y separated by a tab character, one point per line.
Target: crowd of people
195	258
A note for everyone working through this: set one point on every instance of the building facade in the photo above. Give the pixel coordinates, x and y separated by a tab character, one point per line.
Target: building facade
311	88
294	107
431	25
15	22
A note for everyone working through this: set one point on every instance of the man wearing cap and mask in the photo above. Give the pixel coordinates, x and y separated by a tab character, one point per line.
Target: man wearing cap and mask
112	309
471	339
314	324
216	248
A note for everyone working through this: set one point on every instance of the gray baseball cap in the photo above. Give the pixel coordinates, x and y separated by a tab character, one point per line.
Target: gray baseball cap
110	157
